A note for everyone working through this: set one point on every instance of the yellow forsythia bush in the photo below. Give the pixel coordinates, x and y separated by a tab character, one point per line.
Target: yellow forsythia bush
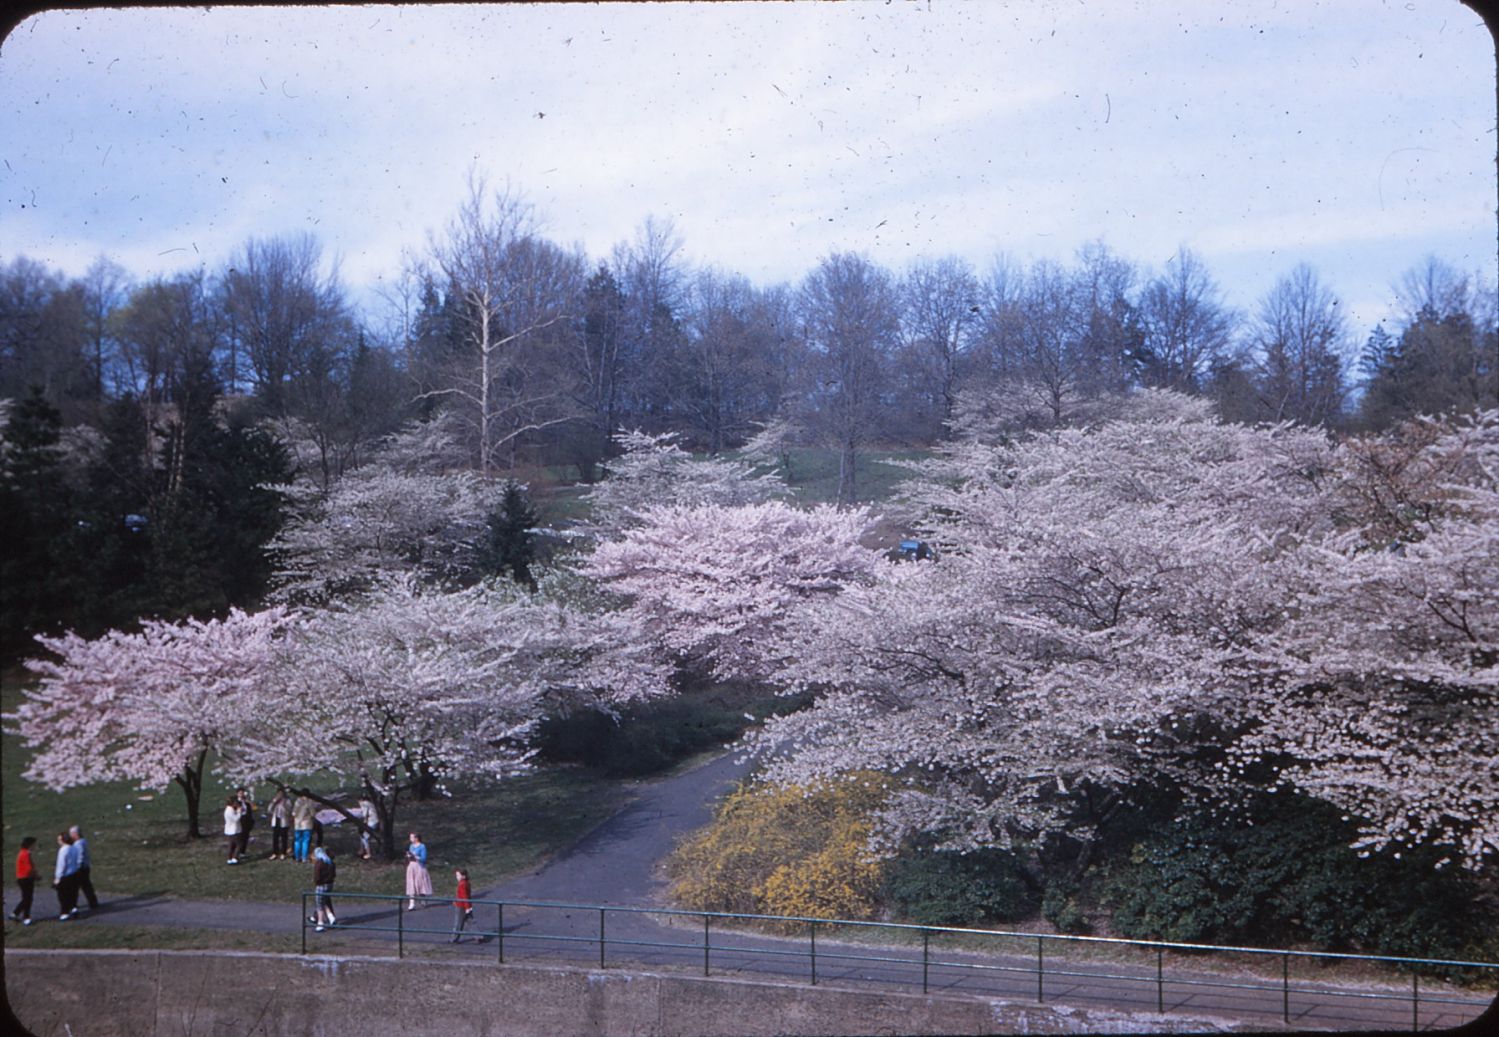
786	850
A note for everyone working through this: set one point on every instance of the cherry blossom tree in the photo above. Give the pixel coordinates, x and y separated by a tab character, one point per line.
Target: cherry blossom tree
1091	589
1166	601
404	512
413	687
771	445
723	584
1387	701
151	707
654	471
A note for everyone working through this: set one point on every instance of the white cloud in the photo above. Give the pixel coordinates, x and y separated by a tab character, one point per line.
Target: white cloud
1347	134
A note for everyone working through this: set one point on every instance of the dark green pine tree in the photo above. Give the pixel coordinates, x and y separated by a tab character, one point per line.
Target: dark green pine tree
438	344
114	525
41	572
1442	363
215	507
510	546
1386	393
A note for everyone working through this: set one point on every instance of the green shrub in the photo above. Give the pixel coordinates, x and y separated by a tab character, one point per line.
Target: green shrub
935	888
1060	907
1282	871
650	737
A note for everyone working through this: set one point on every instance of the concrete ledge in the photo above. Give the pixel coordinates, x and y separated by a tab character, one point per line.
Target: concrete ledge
122	993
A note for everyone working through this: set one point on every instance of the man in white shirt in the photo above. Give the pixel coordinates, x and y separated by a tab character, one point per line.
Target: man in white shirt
64	878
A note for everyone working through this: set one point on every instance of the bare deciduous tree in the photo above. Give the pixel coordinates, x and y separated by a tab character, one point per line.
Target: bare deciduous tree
939	311
1301	334
849	310
285	316
510	285
1187	326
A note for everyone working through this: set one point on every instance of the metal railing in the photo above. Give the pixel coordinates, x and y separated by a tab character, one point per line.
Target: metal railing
581	933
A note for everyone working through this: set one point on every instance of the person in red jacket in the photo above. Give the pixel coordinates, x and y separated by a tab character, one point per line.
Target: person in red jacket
462	909
26	879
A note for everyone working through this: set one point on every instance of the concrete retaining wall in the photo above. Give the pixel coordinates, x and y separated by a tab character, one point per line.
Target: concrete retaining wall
187	993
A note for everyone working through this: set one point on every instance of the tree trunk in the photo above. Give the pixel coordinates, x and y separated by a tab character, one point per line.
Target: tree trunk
846	469
191	782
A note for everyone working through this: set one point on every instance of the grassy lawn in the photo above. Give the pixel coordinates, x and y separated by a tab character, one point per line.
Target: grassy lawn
814	474
813	478
138	839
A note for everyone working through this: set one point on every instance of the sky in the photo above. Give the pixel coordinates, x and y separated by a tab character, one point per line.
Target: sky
1357	136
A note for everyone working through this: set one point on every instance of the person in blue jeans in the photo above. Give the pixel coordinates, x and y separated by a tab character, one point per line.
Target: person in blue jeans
303	812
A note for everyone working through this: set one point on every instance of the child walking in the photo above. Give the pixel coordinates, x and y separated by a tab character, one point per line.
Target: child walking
463	910
324	872
26	880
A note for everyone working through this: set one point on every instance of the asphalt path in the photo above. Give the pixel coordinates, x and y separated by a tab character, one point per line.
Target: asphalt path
618	864
619	861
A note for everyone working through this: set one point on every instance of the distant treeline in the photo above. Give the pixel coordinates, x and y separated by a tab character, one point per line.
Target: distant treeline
180	399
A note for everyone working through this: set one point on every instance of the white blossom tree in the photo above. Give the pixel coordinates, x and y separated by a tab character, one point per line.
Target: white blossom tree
653	471
413	688
151	707
723	584
1165	599
1388	701
771	445
1090	589
405	511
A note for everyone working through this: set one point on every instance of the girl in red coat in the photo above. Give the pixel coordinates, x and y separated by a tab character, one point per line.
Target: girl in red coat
462	909
26	879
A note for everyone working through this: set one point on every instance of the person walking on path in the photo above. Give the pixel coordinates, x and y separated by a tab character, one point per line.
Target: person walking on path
232	815
26	880
246	820
279	812
463	909
303	812
324	871
418	882
85	884
64	878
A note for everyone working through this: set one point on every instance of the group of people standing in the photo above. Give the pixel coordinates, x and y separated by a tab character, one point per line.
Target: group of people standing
71	877
296	832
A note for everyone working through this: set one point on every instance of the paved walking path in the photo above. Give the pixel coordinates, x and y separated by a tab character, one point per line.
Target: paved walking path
617	864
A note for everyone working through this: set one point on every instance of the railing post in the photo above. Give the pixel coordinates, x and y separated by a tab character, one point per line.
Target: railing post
499	931
1285	986
400	930
1415	1002
1160	981
601	937
1040	970
926	946
812	928
303	917
705	945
